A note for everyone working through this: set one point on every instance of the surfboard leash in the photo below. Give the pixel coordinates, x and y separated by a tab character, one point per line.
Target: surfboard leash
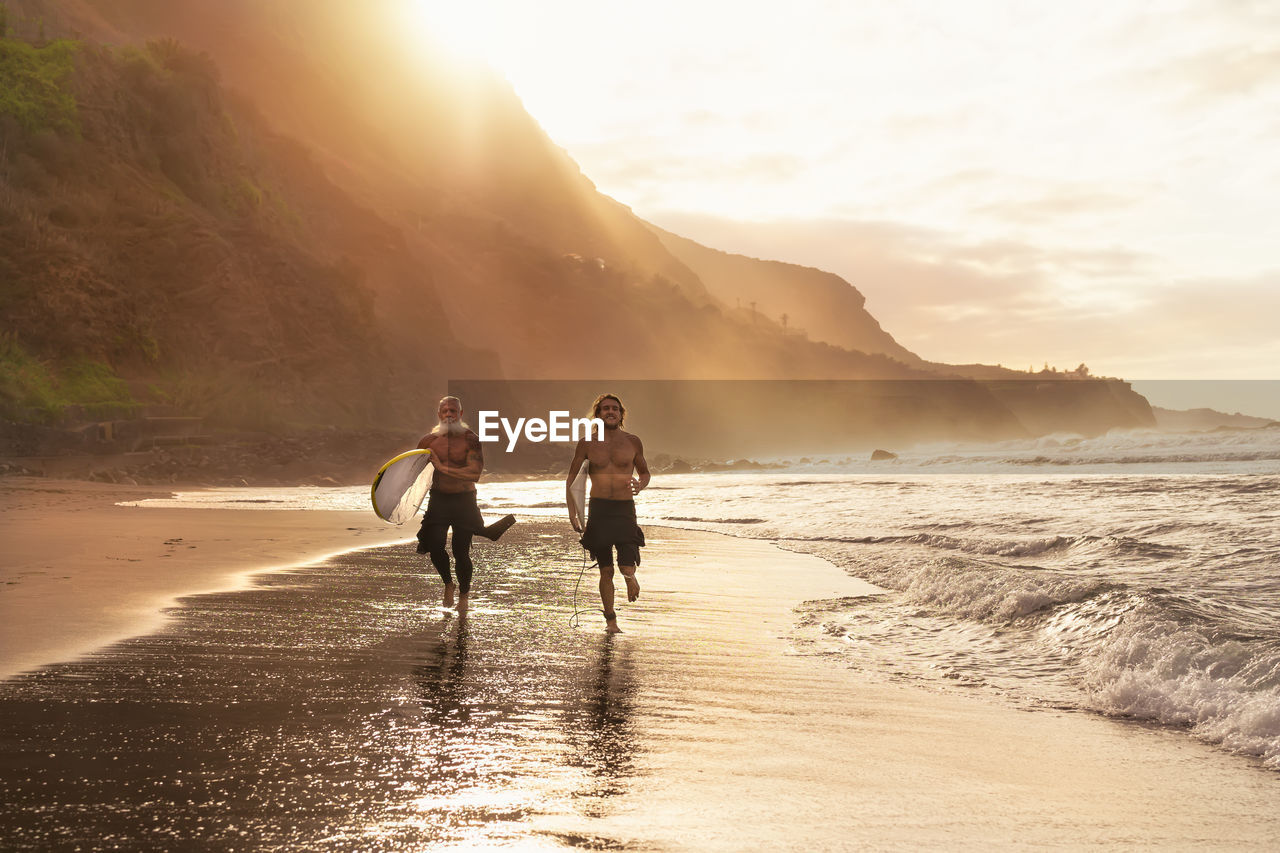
575	620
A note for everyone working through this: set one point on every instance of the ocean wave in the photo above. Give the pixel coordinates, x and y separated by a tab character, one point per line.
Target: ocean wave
1134	447
1144	459
1225	689
1133	593
990	594
1018	549
1145	655
1264	485
1138	654
960	587
713	520
1076	459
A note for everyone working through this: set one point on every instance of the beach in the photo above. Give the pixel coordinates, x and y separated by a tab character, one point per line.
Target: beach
81	572
335	706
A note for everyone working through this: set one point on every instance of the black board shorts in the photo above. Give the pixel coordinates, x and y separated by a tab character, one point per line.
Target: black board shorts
612	524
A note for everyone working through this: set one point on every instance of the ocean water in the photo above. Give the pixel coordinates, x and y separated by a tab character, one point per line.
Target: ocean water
1135	575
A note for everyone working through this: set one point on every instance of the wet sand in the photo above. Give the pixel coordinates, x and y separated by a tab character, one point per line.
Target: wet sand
336	707
78	572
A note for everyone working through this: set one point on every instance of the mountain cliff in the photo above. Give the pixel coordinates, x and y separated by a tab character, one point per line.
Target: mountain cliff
819	304
265	210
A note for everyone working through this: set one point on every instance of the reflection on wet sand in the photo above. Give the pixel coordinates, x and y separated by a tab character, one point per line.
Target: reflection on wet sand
442	675
329	707
599	725
493	730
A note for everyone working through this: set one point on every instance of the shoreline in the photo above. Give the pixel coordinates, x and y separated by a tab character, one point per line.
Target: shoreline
173	554
702	722
80	572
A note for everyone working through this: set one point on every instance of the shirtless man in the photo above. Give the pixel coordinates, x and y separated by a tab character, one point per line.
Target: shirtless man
611	520
456	455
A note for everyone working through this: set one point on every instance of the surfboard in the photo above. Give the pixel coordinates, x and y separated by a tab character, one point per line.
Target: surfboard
401	486
578	494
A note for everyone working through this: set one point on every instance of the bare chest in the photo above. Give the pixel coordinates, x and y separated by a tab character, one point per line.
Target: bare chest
453	449
612	455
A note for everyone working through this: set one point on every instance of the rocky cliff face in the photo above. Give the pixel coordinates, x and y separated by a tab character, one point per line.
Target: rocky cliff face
170	234
818	305
268	210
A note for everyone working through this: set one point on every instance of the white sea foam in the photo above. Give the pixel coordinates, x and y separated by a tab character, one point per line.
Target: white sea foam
984	593
1153	668
1118	448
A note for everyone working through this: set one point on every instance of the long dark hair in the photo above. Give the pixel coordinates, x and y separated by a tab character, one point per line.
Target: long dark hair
595	407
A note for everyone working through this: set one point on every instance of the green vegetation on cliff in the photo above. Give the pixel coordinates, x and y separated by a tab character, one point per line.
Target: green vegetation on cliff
33	84
157	237
30	390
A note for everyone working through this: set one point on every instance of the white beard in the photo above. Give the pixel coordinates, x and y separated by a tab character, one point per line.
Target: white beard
453	428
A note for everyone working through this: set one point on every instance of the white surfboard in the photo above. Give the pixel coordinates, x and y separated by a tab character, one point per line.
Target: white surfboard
578	495
401	486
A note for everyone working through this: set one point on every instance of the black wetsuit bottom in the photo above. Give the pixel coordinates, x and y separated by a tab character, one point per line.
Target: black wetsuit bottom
459	511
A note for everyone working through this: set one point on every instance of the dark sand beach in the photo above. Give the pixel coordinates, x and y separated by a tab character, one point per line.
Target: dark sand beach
335	706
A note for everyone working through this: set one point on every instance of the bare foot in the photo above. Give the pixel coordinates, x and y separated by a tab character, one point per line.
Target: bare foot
611	627
448	594
633	585
463	604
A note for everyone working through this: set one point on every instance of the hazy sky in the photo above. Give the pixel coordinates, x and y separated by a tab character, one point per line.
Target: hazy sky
1007	182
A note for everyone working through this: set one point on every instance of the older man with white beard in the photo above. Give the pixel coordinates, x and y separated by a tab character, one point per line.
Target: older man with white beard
459	462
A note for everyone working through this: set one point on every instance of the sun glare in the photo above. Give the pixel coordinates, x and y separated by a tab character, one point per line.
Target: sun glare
466	29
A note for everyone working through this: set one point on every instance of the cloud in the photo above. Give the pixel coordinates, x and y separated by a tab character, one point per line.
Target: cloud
1208	311
1029	201
1066	201
1012	255
1236	53
1237	71
929	124
1208	76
